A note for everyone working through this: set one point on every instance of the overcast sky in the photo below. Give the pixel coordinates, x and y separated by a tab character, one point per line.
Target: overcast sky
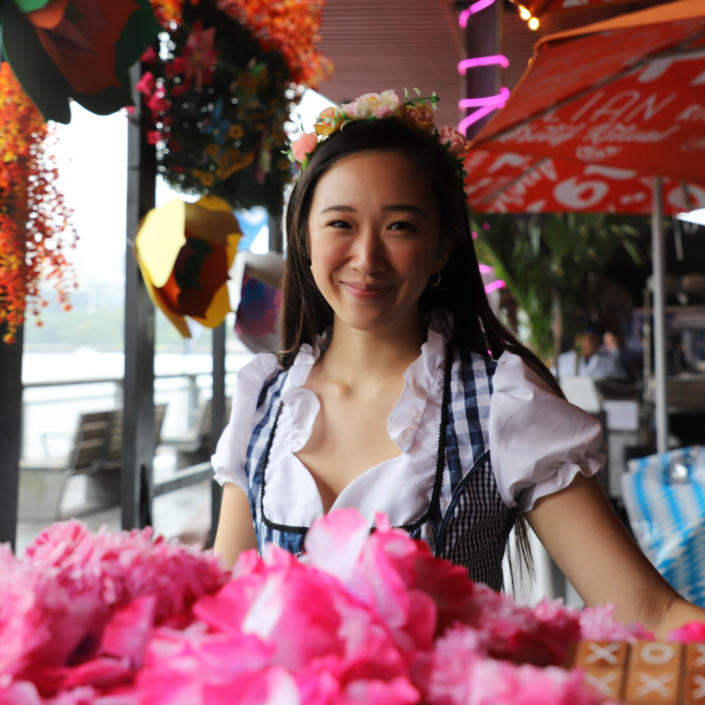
91	153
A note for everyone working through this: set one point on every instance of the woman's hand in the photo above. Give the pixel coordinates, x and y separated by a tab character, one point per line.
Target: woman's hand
588	542
235	530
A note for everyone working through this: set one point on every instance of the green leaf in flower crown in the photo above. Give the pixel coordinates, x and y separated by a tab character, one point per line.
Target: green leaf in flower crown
83	51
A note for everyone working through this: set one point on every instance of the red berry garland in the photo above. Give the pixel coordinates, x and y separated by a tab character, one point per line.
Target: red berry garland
34	220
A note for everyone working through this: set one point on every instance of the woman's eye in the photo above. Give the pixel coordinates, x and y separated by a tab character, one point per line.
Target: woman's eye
402	225
338	224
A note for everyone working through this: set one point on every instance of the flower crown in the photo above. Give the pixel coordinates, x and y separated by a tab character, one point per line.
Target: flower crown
417	113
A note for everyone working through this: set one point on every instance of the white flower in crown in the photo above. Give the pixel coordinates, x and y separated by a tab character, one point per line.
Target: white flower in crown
378	105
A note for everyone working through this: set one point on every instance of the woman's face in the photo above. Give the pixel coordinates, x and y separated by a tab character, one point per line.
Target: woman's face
374	239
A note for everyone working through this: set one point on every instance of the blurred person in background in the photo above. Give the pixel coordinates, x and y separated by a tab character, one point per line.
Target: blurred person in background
598	355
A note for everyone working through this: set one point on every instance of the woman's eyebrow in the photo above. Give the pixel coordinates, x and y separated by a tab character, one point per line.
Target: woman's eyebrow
345	209
395	207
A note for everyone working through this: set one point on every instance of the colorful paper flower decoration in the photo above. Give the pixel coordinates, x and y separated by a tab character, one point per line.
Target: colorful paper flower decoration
258	320
221	89
80	49
185	251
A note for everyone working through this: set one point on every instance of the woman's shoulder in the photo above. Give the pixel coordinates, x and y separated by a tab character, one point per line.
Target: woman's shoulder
254	375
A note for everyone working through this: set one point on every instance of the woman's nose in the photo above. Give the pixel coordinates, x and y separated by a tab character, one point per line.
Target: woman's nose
368	253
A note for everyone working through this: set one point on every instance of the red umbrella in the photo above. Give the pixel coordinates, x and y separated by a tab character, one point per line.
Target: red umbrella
540	8
524	183
623	94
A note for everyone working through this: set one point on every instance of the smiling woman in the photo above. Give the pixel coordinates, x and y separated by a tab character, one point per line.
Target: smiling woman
397	389
382	245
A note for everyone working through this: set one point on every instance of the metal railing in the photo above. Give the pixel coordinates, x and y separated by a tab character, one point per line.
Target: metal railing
184	402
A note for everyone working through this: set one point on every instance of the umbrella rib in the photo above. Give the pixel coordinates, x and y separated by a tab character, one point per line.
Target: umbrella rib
679	51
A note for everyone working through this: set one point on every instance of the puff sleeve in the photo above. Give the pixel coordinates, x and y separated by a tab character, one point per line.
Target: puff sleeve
230	454
538	441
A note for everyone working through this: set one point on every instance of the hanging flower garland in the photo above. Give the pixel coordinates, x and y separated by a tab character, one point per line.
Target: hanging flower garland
220	89
290	27
34	221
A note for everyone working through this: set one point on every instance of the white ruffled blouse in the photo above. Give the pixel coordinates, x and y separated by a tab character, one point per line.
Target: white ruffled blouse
538	442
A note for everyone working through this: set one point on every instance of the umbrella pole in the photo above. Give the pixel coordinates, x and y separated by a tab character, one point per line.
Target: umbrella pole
659	266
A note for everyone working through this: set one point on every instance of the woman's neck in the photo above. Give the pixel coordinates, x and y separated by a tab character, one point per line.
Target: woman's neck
368	358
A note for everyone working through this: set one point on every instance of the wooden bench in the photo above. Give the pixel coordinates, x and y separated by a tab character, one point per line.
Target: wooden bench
195	447
96	452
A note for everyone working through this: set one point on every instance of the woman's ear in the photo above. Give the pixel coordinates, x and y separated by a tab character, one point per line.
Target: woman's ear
445	247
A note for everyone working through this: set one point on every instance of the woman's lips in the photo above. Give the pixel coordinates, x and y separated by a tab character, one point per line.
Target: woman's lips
367	292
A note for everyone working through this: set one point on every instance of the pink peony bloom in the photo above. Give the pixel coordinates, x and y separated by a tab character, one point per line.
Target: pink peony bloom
126	634
75	589
119	619
303	146
693	631
460	676
458	143
598	624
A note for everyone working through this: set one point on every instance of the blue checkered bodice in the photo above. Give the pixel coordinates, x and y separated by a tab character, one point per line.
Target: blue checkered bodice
470	525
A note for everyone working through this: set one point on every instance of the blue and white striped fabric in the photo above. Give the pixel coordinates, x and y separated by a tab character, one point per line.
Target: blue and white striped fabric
473	525
665	500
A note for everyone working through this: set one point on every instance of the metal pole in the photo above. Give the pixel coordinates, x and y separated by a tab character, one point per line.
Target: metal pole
138	389
10	433
659	280
218	419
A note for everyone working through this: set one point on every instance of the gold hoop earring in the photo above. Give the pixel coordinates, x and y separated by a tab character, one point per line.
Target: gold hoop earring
311	268
437	282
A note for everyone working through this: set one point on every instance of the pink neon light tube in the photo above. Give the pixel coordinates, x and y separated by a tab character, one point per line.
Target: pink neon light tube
499	284
501	97
477	115
486	269
466	64
475	7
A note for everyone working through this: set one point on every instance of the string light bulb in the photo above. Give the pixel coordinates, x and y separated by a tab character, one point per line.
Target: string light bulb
534	23
524	13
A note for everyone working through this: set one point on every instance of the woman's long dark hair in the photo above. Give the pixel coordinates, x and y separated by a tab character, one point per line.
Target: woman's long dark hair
474	328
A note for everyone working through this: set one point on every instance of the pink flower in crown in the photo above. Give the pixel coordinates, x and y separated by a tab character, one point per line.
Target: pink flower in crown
458	143
421	119
303	146
379	105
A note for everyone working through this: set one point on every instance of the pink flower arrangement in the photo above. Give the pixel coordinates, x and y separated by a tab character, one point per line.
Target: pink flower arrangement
119	619
378	105
458	145
303	146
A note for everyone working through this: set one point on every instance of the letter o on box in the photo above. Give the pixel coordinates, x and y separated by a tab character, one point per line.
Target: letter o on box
656	653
